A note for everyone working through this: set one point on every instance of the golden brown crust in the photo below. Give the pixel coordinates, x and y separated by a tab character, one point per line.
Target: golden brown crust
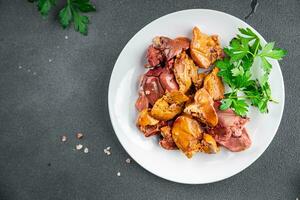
205	50
214	85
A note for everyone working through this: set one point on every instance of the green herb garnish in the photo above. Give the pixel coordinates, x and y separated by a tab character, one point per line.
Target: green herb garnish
70	13
235	70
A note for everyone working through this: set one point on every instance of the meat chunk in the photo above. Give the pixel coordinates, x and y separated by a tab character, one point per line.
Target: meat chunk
164	49
167	142
208	144
203	108
153	89
167	80
214	85
154	56
185	72
205	50
169	106
187	133
147	124
235	144
169	47
230	131
153	85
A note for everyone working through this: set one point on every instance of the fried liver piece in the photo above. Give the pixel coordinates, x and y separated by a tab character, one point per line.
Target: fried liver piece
205	49
185	72
214	85
187	133
203	108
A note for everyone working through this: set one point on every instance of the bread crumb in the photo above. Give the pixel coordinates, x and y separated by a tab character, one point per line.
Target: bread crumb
86	150
128	160
119	174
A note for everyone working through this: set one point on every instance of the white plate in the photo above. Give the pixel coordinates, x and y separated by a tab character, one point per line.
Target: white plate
173	165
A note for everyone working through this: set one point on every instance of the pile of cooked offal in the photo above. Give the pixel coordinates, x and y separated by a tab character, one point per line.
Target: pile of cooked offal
180	104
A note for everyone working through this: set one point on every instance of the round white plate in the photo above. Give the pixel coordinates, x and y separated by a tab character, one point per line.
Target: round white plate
173	165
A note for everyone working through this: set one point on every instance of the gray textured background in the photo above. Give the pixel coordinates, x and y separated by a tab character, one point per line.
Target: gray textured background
44	100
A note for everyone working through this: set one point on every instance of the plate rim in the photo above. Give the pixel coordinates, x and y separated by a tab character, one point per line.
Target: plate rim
114	123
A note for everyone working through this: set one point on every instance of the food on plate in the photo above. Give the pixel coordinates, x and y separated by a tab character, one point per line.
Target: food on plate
236	71
214	85
187	106
205	49
203	108
185	72
163	49
187	133
153	85
230	131
170	105
167	141
209	144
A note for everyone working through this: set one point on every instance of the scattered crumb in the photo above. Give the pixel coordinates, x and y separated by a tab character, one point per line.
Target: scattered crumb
128	160
106	151
86	150
79	135
34	73
119	174
29	70
20	67
66	37
50	60
79	146
297	198
63	138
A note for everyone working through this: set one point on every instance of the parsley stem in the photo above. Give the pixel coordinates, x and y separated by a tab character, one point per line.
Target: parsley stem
255	52
245	97
274	101
251	53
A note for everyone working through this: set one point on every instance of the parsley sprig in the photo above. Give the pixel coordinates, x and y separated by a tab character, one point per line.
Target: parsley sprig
70	13
243	51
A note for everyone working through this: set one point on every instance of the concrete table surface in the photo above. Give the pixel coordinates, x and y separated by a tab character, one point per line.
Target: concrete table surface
52	86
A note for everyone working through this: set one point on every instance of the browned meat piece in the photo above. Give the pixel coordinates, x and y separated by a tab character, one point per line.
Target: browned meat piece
149	125
167	142
187	133
208	144
232	143
153	85
185	72
142	102
170	105
214	85
153	89
230	131
169	47
199	81
154	56
167	80
205	50
152	130
203	108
